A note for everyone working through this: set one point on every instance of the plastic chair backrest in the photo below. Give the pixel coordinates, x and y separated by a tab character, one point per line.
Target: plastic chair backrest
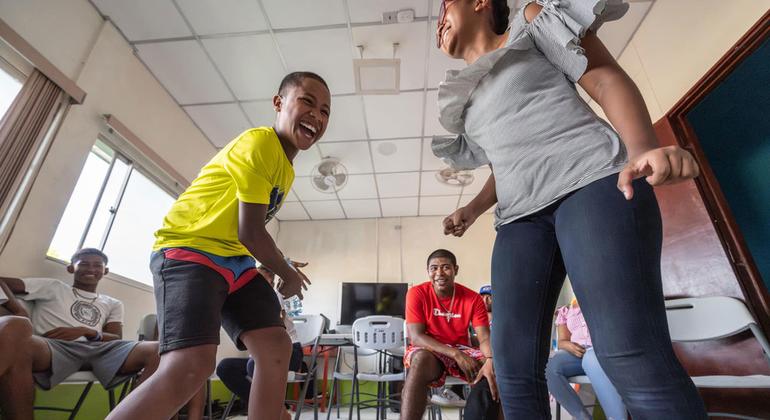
711	318
309	327
378	332
148	328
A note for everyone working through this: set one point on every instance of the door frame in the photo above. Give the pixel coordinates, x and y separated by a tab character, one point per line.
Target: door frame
741	260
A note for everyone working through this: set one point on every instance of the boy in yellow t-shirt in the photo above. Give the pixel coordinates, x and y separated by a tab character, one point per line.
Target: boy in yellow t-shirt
203	261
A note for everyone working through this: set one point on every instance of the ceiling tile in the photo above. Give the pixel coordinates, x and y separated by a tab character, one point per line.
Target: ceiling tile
260	112
466	198
221	123
292	211
183	68
378	43
432	125
438	206
359	209
346	121
223	16
429	186
395	207
480	176
391	116
358	186
616	34
324	209
291	197
144	19
362	11
429	160
305	161
396	155
327	52
303	13
398	185
250	64
354	155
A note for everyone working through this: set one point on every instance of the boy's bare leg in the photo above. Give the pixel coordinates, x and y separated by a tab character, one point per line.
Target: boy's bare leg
425	368
271	349
145	358
197	404
179	376
17	388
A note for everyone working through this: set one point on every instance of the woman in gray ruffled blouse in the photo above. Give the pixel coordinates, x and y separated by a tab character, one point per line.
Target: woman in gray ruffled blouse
573	196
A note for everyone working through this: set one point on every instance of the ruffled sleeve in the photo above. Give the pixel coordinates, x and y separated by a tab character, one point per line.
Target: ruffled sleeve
459	152
561	315
560	25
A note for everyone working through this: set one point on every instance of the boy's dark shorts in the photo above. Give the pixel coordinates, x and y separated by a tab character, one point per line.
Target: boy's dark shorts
195	298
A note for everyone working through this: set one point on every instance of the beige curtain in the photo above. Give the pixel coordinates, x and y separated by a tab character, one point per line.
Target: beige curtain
22	129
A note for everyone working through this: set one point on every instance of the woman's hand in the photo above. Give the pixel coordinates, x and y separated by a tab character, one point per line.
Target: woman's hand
573	348
458	222
660	166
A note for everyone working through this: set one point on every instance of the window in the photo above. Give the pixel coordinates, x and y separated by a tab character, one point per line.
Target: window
10	85
116	207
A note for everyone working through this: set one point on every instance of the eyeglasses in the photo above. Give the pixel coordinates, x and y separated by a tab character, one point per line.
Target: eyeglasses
441	20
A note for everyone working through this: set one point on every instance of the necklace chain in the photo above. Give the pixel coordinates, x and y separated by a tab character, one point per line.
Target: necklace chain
448	313
78	295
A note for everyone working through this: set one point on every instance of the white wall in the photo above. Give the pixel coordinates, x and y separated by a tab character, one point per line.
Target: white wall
72	35
679	41
384	250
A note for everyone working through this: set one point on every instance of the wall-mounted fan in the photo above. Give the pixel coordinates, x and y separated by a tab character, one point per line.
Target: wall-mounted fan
329	176
458	178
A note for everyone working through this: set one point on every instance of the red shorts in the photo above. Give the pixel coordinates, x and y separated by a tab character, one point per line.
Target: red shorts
450	366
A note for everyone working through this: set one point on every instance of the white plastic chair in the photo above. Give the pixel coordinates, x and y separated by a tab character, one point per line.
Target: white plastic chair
385	335
309	329
344	365
713	318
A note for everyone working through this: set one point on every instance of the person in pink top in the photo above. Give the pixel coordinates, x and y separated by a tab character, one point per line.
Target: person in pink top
575	356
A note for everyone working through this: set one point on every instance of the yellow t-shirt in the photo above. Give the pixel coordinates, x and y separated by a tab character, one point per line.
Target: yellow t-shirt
253	168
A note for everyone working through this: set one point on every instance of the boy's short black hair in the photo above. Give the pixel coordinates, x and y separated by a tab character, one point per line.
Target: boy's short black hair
441	253
295	79
88	251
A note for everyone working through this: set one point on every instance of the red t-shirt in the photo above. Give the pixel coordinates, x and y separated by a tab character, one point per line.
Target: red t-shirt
424	307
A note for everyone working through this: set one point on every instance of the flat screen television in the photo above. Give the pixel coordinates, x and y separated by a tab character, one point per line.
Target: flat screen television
363	299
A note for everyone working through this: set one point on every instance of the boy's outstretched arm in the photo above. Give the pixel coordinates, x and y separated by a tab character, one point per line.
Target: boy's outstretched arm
610	86
254	236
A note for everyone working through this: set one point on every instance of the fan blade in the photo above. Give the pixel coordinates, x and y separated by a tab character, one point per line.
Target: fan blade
319	183
339	179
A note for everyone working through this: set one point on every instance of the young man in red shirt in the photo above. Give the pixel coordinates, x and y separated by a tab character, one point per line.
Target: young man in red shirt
438	313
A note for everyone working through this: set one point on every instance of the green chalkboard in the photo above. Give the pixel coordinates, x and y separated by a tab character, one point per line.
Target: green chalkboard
732	124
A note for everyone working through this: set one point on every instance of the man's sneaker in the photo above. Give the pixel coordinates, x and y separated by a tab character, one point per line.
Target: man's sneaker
447	398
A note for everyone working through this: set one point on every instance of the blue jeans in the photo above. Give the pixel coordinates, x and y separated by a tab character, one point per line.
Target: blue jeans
563	365
610	248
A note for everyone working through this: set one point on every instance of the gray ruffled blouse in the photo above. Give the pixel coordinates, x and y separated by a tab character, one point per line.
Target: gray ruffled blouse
516	108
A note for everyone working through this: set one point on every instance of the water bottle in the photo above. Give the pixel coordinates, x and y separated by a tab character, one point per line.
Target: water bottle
294	306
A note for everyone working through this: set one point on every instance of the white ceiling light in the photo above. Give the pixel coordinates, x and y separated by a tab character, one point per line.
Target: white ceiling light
377	76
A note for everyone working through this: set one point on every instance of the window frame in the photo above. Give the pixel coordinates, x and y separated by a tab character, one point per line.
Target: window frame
135	161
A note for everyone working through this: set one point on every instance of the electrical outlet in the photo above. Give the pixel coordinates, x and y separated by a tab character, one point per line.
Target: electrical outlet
389	17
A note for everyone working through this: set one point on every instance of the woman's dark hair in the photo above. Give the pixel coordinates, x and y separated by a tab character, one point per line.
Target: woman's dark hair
500	12
295	79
